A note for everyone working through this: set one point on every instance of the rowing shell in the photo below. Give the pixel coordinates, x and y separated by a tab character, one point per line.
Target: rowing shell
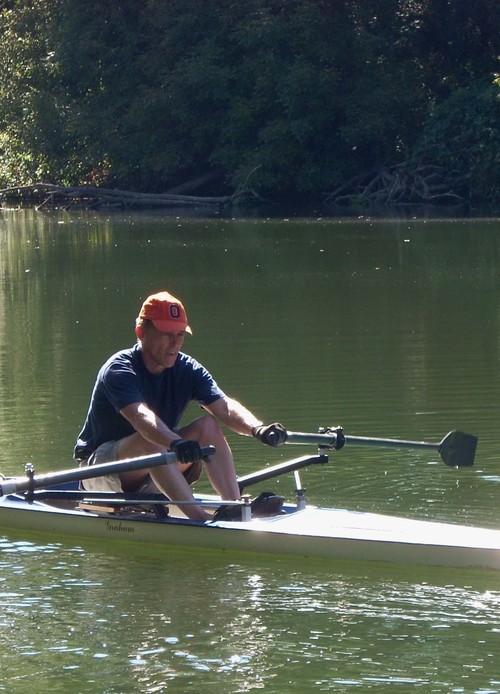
308	532
39	503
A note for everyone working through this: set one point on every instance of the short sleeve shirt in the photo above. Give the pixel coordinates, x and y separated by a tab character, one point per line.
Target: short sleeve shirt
124	379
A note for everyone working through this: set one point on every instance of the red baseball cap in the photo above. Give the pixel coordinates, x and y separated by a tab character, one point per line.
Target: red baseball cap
165	312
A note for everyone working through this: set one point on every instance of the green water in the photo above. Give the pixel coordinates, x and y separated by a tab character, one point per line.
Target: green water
388	327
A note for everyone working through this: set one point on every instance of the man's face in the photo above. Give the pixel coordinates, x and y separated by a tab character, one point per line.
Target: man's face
160	350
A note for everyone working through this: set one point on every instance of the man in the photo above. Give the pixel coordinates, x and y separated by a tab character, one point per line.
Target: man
138	400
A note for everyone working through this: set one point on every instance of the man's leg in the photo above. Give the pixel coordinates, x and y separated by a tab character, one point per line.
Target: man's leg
168	478
206	430
220	467
106	453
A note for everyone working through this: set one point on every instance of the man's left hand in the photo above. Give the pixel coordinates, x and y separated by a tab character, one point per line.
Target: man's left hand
270	434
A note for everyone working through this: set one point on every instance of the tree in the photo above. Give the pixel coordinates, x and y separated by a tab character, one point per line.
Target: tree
309	93
461	136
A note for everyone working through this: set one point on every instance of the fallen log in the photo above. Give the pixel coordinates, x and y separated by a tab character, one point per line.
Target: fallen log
48	195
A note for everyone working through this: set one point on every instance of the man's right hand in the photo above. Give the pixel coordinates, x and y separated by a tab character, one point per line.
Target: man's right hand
186	451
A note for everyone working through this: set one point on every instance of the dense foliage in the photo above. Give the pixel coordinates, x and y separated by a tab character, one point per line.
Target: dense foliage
306	94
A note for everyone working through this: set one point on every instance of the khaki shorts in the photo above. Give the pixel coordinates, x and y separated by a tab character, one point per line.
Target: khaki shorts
107	453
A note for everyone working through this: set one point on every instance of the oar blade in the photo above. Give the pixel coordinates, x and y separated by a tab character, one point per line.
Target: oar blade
458	449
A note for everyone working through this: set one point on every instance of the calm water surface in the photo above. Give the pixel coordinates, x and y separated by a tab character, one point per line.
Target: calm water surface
389	327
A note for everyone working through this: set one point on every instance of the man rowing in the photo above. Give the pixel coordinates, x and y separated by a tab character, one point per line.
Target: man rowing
137	403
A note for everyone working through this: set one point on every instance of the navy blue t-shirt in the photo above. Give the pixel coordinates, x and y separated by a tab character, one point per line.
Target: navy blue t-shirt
124	379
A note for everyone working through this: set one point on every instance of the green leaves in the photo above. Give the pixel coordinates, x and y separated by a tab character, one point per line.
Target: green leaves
462	136
151	95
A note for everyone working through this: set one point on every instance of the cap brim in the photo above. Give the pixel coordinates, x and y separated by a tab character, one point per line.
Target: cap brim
167	326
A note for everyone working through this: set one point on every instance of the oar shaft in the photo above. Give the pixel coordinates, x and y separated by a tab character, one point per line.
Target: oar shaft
389	443
51	479
330	441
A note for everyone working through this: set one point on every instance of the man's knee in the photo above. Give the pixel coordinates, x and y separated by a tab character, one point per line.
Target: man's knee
211	425
205	429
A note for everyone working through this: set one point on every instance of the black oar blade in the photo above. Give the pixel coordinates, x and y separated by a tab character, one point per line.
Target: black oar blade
458	449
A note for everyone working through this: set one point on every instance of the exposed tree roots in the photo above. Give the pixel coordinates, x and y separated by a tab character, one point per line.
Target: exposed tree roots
399	185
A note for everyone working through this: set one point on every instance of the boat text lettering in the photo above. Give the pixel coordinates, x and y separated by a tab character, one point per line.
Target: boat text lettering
119	527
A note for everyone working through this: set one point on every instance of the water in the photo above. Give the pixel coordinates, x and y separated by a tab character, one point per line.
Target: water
389	327
84	619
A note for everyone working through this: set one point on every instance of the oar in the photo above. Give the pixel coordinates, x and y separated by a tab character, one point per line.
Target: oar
456	449
14	485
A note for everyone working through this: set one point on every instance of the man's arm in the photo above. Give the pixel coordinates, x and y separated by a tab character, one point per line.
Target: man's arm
148	424
234	415
237	418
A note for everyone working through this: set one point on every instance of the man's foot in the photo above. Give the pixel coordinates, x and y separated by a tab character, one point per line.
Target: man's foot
266	504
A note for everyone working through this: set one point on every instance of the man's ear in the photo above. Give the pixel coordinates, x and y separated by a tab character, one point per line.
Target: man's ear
139	331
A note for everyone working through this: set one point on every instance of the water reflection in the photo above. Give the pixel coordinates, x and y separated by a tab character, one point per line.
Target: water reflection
246	625
389	327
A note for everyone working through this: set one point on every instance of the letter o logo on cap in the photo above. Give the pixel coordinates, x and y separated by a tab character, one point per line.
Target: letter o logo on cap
174	311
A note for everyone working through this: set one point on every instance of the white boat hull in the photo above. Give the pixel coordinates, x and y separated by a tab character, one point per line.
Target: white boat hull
312	532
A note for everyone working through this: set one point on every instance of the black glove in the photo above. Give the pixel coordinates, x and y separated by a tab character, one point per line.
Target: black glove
186	451
270	434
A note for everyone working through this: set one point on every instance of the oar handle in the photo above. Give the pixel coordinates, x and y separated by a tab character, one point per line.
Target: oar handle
334	439
50	479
